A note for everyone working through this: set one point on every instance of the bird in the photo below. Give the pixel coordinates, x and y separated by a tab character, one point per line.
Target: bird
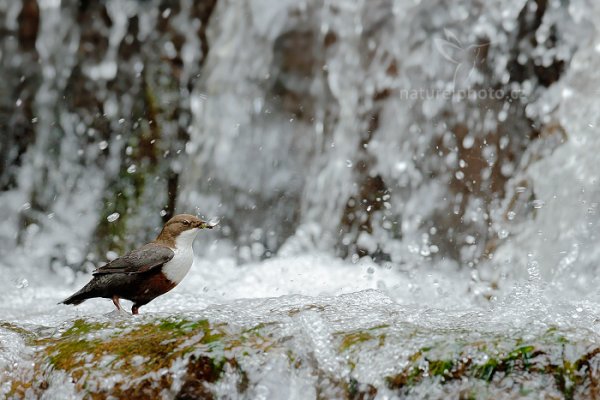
148	272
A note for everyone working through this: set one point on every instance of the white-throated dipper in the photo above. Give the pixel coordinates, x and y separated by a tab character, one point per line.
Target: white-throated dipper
147	272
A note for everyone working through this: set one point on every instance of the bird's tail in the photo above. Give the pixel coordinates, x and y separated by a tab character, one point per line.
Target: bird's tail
78	297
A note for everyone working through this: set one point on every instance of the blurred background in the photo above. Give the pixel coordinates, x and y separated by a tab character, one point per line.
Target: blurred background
417	134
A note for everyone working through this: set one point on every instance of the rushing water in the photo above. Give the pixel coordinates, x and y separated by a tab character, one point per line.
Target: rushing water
321	133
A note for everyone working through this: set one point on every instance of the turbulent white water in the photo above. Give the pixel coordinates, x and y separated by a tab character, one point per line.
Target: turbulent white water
421	310
501	240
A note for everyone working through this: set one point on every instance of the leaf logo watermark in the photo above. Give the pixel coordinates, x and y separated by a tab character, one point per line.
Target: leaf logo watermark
465	57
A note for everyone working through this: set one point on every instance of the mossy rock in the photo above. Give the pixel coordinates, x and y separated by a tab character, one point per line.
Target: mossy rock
189	356
141	353
496	360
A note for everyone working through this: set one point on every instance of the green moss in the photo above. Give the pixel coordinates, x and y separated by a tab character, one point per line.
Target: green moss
353	388
523	352
440	367
90	348
85	345
28	336
81	327
159	343
353	339
87	351
184	326
525	359
64	355
259	327
382	326
487	370
415	374
407	378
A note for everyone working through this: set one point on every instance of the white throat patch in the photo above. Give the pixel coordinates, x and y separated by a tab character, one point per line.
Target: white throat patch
177	268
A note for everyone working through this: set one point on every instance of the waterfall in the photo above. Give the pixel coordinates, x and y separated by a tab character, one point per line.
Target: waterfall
314	125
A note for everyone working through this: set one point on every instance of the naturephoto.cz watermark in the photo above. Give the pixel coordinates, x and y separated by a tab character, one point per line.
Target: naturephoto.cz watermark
460	94
466	58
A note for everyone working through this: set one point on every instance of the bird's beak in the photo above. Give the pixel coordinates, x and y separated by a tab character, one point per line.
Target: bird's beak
207	225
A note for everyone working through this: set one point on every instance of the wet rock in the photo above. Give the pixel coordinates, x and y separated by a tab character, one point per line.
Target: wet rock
301	345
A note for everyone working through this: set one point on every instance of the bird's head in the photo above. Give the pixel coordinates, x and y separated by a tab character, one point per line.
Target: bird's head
182	228
184	222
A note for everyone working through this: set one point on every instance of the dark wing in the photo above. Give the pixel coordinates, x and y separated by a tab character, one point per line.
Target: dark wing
138	261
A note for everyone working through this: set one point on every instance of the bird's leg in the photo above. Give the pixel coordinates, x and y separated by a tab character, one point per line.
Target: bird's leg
135	310
115	300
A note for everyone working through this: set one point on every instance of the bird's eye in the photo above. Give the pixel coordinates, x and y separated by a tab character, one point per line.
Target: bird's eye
186	222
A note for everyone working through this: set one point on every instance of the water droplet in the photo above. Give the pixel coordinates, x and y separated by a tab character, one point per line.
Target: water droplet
537	203
103	145
22	283
567	92
370	270
113	217
121	121
511	215
502	115
533	270
591	210
348	163
163	213
468	141
503	234
131	169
